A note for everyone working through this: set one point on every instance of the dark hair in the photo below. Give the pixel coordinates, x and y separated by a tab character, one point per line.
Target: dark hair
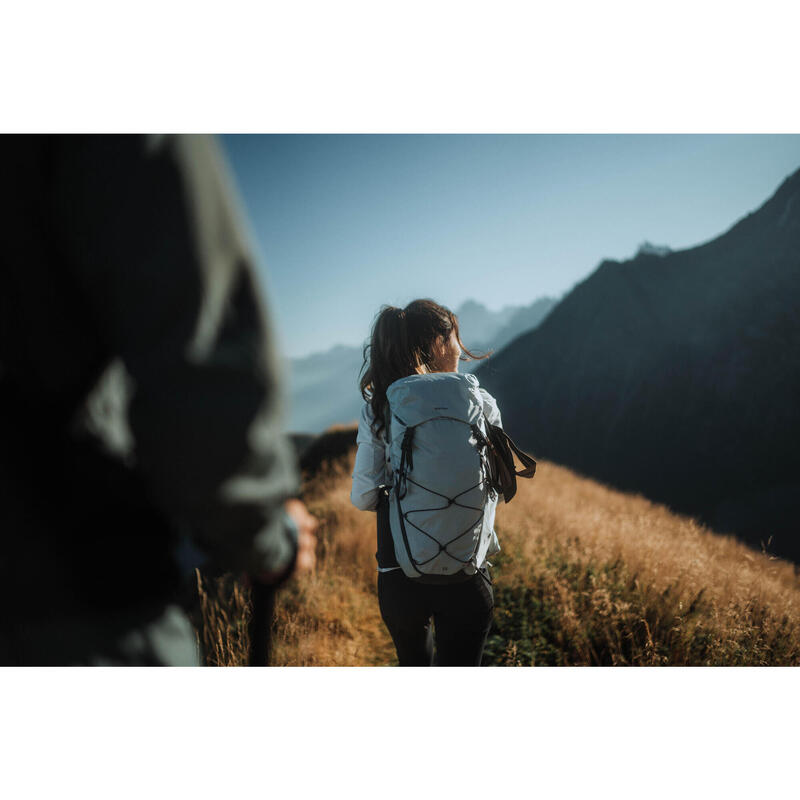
402	342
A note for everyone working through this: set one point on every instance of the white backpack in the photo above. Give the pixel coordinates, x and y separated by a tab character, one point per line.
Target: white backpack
442	506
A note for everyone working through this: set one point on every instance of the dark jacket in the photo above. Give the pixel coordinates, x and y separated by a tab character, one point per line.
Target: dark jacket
139	385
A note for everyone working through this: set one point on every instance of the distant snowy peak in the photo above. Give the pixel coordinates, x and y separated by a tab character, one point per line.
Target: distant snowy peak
650	249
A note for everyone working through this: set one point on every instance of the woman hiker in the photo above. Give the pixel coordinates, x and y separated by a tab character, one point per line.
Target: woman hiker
450	584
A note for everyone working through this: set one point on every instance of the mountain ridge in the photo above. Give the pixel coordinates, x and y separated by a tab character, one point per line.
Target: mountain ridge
673	375
333	374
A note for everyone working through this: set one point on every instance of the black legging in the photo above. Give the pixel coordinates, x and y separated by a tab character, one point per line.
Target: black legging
462	616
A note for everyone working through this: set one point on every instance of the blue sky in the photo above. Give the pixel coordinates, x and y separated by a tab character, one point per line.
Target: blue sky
347	223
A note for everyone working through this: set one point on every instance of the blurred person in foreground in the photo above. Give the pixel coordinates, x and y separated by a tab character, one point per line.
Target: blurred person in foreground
139	401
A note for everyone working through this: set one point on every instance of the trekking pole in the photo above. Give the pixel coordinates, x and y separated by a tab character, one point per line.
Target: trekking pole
262	607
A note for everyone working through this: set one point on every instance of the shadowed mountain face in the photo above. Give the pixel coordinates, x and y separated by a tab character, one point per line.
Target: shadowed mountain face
677	374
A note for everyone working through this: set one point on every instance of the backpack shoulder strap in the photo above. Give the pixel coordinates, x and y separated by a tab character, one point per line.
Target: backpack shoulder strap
495	433
528	461
387	424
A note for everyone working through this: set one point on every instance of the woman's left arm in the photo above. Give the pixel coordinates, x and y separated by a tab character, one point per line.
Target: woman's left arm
490	408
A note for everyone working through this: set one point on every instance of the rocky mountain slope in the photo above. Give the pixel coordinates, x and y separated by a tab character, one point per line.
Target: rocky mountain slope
677	375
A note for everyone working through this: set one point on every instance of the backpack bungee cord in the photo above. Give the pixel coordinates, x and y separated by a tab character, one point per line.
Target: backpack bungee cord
402	480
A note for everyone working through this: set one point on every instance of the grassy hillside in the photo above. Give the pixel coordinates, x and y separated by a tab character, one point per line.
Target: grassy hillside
587	576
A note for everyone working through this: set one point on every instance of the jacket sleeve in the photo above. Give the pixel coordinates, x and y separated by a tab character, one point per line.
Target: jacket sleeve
370	467
150	230
490	408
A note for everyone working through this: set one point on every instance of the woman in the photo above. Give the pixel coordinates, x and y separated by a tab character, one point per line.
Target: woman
421	338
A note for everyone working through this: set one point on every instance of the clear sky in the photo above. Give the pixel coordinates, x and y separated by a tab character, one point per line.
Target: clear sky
347	223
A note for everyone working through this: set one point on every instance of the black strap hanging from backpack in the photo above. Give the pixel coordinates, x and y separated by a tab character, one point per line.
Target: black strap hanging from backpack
503	474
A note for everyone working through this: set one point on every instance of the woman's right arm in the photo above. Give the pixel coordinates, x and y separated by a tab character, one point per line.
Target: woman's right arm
370	469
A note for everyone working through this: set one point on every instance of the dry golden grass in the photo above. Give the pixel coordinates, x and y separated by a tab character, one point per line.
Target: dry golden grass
628	582
330	618
224	613
667	548
588	575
